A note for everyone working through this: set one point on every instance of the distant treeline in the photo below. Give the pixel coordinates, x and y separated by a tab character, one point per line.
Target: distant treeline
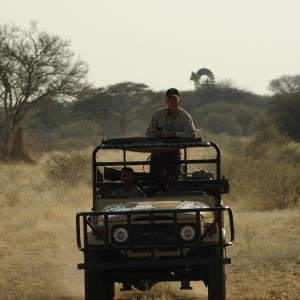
125	109
40	77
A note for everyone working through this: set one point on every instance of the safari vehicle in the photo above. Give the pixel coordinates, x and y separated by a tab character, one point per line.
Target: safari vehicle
178	232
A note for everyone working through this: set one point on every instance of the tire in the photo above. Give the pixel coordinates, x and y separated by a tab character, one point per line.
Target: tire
216	278
97	286
142	285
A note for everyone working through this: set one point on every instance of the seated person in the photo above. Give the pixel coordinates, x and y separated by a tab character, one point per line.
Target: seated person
127	189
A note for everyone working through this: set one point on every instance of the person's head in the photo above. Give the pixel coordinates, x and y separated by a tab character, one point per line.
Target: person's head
127	175
173	99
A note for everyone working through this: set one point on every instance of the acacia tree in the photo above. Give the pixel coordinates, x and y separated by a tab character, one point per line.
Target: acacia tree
128	101
34	67
287	84
122	104
285	105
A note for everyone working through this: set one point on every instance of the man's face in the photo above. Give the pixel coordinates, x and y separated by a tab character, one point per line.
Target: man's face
127	177
173	102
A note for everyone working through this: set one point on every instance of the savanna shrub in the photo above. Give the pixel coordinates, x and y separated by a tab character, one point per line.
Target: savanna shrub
265	184
68	168
278	185
266	171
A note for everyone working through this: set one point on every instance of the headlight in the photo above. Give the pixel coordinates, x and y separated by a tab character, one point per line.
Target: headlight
120	234
187	233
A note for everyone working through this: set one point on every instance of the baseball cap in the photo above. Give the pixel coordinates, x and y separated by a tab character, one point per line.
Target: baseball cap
172	92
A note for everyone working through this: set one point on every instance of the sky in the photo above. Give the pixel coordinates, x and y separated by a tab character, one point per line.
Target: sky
161	42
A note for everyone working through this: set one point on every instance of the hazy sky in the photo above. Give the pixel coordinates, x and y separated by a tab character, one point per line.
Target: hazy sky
160	42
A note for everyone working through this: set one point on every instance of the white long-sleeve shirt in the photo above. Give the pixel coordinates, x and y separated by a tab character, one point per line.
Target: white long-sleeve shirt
181	123
121	193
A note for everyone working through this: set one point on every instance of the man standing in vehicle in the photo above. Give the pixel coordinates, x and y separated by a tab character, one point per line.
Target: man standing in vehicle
172	120
167	122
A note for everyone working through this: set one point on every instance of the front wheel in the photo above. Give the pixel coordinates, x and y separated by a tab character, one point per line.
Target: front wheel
97	283
97	287
217	277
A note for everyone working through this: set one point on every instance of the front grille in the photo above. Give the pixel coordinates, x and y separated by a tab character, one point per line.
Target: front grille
153	234
145	234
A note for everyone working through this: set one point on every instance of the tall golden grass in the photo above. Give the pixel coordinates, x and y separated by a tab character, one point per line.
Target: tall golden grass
38	253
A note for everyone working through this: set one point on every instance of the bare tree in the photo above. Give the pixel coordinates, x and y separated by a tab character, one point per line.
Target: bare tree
285	105
34	66
287	84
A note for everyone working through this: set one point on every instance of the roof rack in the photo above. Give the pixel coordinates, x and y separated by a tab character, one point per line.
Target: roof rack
149	144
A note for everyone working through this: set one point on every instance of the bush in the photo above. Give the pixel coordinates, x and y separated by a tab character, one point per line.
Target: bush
278	185
265	172
220	123
68	168
267	142
221	116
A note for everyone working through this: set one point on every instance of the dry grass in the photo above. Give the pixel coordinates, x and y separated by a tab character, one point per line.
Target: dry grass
38	253
265	257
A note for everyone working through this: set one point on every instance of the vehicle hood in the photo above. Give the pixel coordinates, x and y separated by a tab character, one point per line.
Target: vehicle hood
152	205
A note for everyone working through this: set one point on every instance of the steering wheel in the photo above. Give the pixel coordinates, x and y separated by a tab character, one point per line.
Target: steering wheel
120	187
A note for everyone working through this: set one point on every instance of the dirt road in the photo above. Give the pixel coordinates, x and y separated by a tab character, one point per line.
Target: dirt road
199	292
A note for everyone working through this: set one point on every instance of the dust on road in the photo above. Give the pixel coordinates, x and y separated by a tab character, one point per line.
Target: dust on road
199	291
